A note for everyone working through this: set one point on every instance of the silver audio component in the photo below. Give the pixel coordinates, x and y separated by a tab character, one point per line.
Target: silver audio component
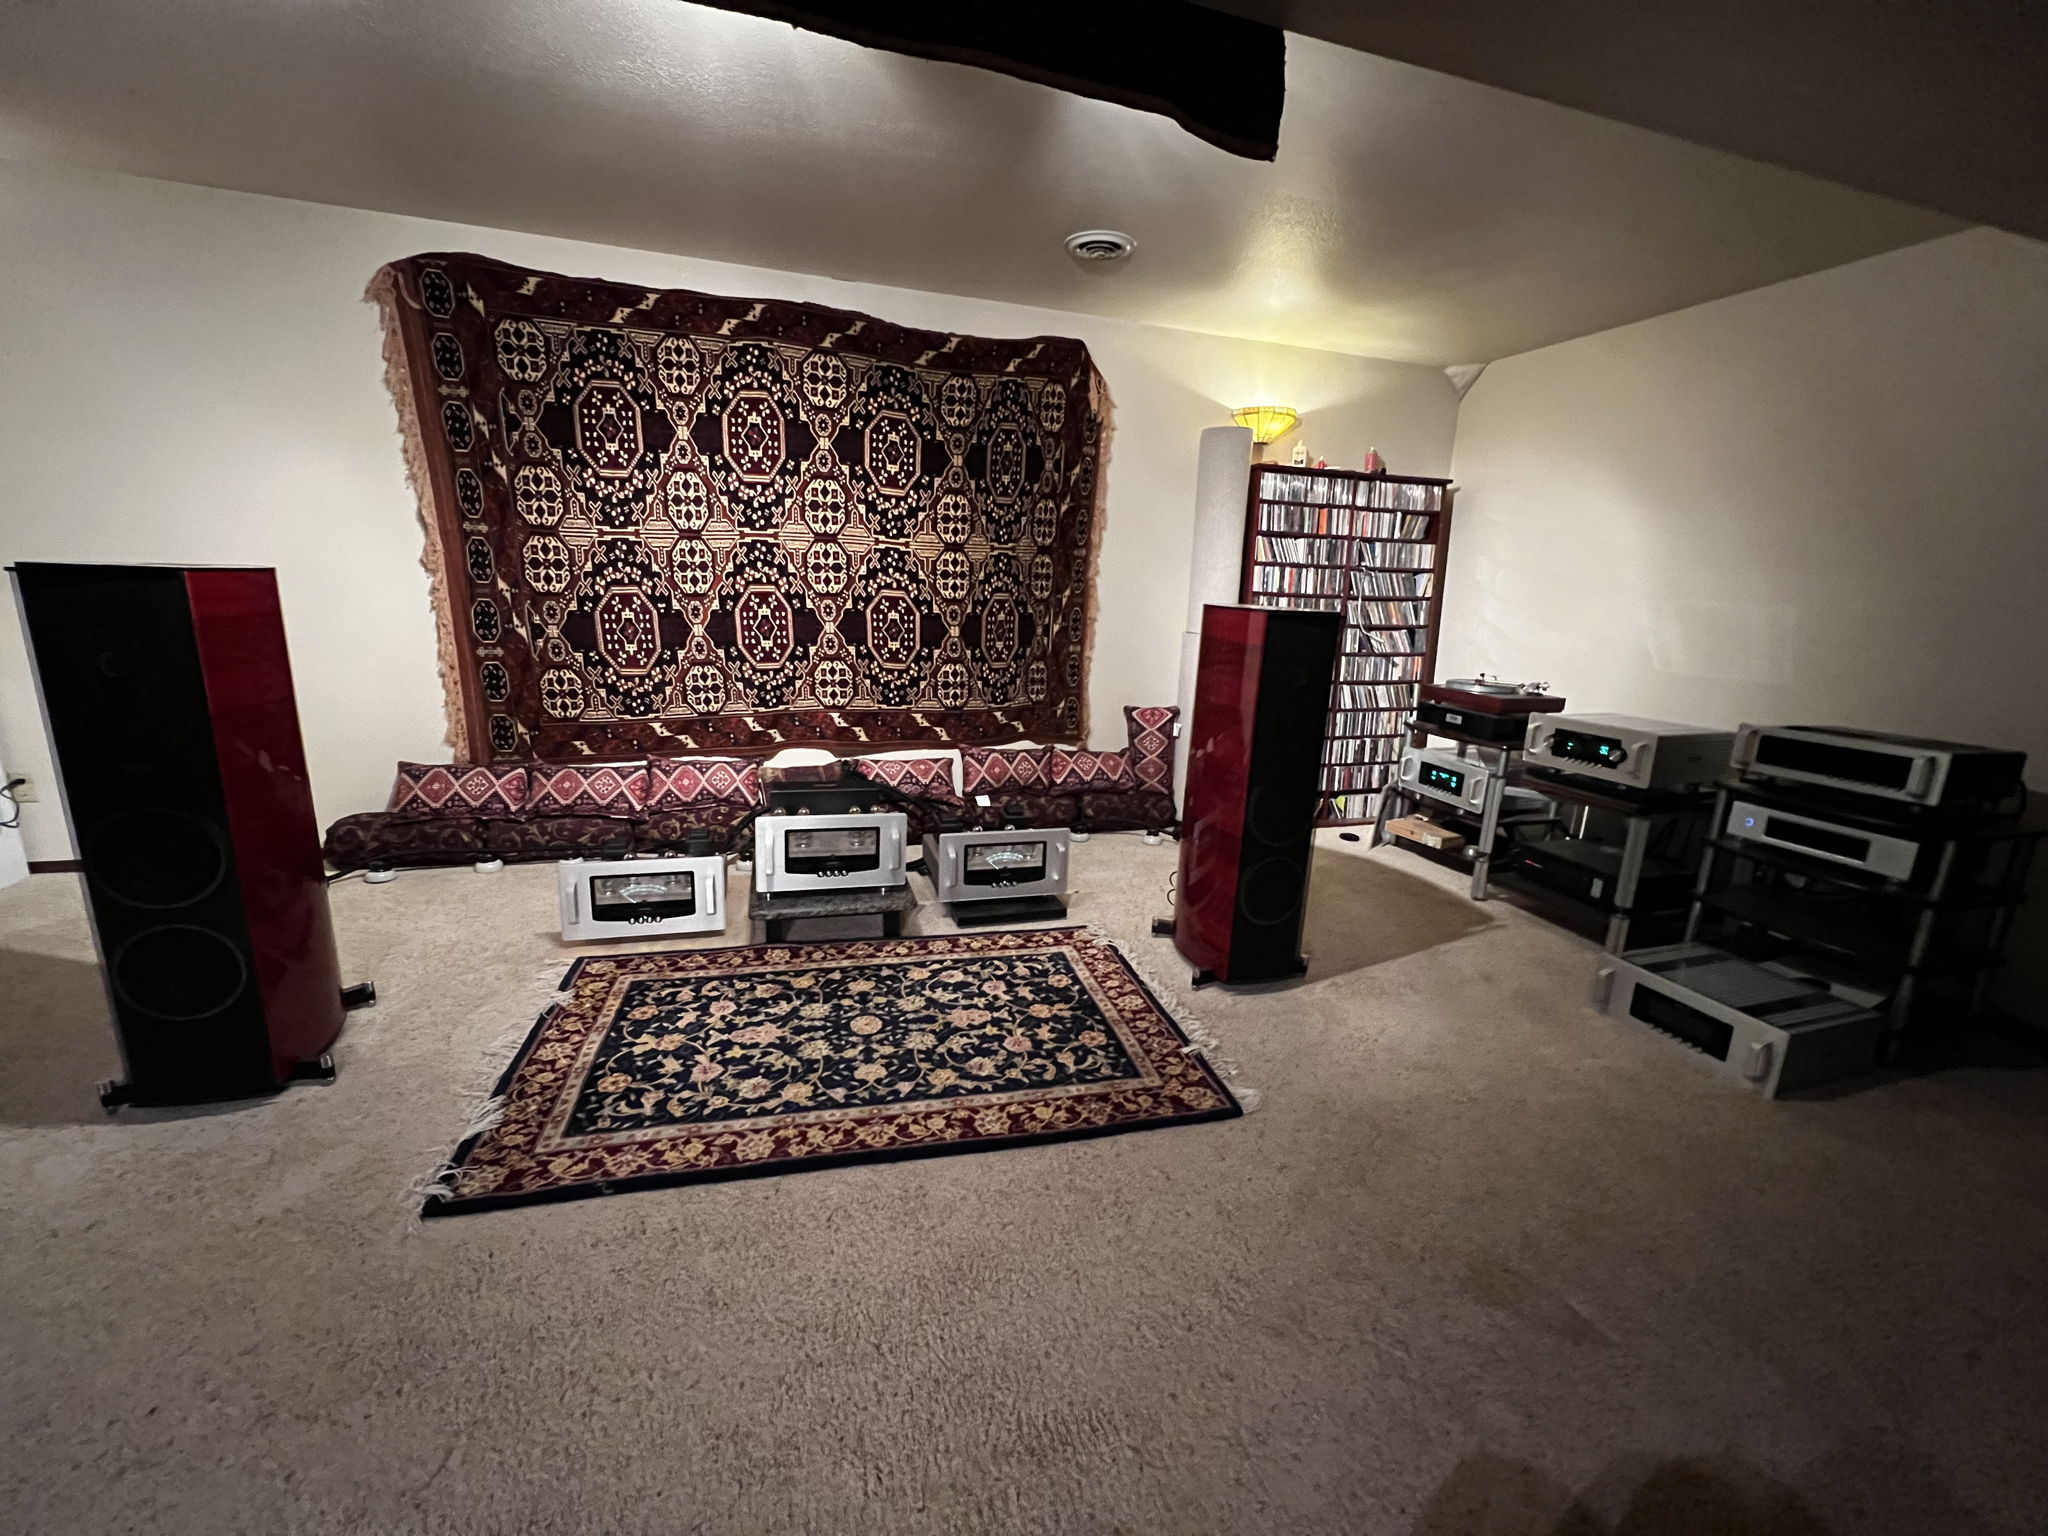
1892	857
1441	774
996	865
1909	769
847	851
640	898
1629	750
1771	1032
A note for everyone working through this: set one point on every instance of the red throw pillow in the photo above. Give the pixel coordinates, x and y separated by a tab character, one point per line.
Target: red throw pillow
1071	769
675	783
927	778
988	771
609	789
1151	733
425	791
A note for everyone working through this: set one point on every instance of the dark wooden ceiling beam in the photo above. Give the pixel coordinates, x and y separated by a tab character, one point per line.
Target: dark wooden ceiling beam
1940	103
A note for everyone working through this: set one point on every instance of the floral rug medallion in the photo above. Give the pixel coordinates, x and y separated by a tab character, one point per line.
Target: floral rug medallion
704	1064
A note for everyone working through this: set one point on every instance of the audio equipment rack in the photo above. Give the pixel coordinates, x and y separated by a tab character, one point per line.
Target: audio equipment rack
1483	832
1644	879
1370	547
1925	947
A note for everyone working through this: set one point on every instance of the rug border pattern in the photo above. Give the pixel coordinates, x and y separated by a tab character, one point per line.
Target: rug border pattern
1158	1046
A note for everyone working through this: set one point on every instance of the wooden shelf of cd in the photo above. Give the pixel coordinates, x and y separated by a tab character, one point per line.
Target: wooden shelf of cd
1371	547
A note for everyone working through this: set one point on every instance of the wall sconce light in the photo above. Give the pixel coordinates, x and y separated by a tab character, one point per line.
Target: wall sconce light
1267	422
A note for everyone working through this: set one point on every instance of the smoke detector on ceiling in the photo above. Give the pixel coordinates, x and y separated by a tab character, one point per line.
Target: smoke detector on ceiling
1100	245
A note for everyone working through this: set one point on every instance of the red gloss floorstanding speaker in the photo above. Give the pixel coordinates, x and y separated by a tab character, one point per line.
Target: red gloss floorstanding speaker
168	696
1262	703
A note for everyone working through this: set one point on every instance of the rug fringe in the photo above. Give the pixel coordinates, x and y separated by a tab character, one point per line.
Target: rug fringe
482	1104
1202	1040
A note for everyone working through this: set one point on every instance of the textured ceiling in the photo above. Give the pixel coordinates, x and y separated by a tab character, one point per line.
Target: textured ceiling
1409	215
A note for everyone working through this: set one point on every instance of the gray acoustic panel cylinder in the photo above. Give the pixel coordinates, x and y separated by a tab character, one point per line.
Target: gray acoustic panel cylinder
1223	474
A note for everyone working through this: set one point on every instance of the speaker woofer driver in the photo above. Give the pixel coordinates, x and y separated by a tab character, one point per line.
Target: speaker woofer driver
1271	892
156	858
180	973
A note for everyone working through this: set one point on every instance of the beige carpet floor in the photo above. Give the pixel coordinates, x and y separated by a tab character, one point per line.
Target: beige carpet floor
1485	1262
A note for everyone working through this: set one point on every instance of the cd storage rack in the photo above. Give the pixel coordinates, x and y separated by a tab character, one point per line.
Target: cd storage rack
1371	547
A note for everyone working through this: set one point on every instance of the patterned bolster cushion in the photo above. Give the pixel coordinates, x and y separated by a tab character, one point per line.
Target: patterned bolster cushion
612	790
1070	770
926	778
1151	751
992	770
431	791
678	783
669	831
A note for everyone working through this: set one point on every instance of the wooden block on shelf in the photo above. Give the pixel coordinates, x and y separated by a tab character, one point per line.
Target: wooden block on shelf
1420	829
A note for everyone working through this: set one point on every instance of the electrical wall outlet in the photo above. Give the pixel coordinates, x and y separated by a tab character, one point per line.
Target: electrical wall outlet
25	792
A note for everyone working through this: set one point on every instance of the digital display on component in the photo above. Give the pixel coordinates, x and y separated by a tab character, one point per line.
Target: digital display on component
648	898
1449	780
1003	863
1582	747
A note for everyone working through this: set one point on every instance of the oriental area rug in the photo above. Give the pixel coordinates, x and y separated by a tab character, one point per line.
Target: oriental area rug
661	521
661	1069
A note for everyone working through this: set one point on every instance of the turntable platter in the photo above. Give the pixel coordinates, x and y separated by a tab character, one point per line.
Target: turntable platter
1488	685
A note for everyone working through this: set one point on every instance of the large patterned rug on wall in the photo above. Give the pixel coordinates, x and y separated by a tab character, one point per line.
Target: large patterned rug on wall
662	520
718	1063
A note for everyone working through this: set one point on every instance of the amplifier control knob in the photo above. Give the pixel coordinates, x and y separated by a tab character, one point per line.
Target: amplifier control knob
1617	757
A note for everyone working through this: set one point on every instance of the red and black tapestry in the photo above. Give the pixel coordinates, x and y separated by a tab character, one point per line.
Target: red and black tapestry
703	1064
664	521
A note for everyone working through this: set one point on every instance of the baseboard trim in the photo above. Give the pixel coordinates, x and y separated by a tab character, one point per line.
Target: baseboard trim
55	866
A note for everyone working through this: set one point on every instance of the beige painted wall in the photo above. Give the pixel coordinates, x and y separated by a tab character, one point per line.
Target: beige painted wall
1823	501
189	375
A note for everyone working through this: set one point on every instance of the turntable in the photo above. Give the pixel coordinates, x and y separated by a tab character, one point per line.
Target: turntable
1484	708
